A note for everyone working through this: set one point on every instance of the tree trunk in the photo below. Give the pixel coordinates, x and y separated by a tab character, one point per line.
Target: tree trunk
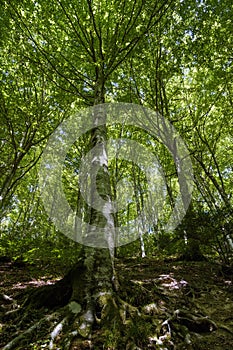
88	293
99	277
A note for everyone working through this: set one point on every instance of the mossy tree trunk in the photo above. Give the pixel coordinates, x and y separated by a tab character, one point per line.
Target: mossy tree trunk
100	276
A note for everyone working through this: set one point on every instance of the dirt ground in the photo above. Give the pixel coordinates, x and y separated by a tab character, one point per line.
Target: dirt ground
173	287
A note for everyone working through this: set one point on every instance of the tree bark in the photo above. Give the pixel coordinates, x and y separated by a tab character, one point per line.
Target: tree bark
99	275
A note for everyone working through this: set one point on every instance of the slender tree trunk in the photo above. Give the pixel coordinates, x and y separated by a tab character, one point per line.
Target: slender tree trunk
99	262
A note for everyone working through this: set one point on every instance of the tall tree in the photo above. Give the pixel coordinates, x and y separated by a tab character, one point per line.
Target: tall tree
78	46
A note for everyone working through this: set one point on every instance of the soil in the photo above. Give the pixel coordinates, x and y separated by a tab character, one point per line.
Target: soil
191	303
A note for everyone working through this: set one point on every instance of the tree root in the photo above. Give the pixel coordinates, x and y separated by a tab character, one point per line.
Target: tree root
225	328
113	320
29	332
117	324
194	323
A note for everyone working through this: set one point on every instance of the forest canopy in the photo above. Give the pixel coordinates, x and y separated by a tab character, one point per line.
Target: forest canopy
172	57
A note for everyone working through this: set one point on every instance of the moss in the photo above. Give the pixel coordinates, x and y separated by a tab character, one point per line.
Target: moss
140	331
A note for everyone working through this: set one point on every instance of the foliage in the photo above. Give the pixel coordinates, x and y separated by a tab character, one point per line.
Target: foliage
174	57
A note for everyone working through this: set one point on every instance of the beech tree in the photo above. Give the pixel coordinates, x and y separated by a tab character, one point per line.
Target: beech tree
78	46
61	56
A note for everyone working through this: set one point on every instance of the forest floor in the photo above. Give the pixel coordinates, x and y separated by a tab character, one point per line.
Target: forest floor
171	290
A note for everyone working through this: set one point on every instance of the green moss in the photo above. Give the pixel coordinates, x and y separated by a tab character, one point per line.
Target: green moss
139	331
112	337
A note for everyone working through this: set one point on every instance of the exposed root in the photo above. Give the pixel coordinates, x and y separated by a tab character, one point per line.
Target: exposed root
140	315
25	335
225	328
194	323
116	324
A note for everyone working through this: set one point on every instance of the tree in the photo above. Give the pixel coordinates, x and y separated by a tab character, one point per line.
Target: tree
78	46
29	113
190	84
62	56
